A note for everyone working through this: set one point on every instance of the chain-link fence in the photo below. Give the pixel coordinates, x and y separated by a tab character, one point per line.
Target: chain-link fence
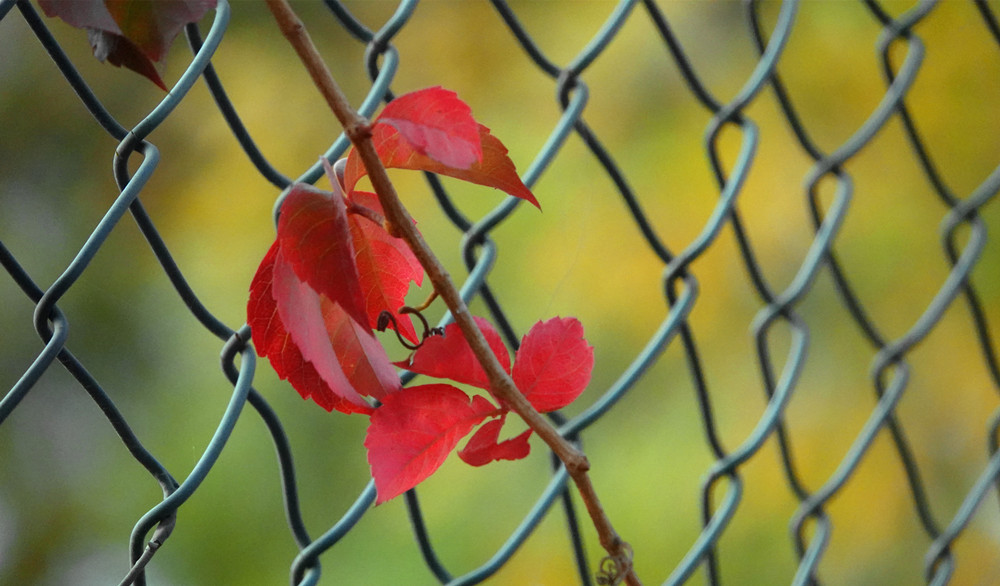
771	218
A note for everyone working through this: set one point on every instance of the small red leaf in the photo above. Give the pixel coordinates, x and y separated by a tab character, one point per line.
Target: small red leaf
436	123
553	365
494	170
386	266
272	340
483	447
413	432
450	356
316	240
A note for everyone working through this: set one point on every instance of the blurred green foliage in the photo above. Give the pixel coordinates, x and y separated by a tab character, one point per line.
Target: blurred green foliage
70	494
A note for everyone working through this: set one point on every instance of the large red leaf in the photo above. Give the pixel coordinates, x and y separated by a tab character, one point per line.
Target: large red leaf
360	355
316	240
301	310
272	340
435	123
450	356
494	170
483	447
553	365
414	430
386	266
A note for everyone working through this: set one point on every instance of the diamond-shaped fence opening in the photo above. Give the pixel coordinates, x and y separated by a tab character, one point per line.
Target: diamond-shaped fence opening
773	219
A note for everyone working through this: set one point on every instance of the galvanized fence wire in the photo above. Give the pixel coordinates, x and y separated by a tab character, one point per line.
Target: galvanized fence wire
963	238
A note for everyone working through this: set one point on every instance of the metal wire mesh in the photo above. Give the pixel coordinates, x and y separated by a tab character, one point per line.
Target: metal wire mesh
788	283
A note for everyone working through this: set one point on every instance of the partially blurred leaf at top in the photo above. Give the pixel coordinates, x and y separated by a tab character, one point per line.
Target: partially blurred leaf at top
130	33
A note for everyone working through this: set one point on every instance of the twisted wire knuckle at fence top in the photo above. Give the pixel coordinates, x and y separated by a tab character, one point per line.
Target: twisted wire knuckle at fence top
963	235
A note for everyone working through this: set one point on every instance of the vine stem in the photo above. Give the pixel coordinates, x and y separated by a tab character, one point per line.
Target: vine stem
399	223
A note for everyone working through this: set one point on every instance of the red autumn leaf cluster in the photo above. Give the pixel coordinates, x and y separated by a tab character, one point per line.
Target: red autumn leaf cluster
135	34
334	269
416	427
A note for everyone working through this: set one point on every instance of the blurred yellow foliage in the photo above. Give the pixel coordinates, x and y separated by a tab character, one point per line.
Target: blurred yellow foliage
582	256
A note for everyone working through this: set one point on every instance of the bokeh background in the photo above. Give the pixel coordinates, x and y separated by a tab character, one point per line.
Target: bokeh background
70	493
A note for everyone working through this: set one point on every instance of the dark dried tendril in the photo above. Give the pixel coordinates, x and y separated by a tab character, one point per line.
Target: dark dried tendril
386	317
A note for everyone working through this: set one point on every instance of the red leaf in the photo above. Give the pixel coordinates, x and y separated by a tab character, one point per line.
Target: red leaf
553	365
316	240
82	14
483	447
450	356
413	432
494	170
386	266
435	123
120	52
132	33
272	340
360	355
301	310
153	26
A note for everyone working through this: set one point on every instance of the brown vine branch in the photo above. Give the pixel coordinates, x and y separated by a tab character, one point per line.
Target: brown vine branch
366	212
400	224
